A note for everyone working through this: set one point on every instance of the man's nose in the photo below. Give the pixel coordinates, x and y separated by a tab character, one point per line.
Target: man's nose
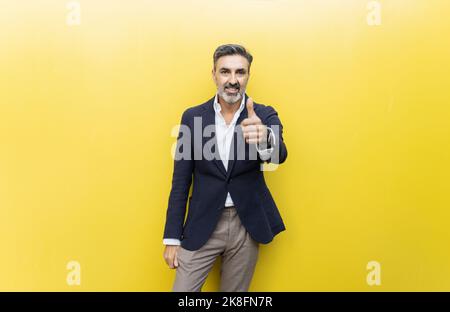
233	79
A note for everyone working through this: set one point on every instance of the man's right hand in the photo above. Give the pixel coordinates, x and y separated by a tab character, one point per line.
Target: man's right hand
170	255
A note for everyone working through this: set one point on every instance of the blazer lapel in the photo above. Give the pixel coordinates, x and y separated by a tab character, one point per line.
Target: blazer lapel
234	142
209	118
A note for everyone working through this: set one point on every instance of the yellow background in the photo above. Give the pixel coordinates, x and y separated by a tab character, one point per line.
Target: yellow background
86	114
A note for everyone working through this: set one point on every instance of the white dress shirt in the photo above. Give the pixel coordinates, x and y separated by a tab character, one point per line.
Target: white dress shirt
224	135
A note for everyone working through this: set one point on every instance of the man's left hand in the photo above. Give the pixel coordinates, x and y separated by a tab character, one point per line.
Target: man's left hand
252	128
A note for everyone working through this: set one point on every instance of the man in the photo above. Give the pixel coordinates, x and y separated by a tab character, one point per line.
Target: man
231	210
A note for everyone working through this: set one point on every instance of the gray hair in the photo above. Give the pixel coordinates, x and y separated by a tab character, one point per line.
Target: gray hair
232	49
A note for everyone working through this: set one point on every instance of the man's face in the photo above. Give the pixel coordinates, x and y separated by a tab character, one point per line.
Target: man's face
231	75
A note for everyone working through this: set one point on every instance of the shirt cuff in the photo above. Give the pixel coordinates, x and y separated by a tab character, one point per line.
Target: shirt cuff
171	241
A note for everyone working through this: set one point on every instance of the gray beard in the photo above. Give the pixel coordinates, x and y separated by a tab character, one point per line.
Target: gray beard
231	99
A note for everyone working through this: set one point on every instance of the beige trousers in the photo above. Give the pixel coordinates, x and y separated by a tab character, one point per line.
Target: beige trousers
233	243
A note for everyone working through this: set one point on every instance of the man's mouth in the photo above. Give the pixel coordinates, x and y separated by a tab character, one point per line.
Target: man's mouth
231	90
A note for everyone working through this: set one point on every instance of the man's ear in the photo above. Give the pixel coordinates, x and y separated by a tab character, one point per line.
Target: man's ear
213	75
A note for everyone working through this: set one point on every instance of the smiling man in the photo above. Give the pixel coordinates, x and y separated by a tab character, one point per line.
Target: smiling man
231	210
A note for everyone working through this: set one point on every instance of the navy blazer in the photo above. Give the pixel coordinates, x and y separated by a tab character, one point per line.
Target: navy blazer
244	180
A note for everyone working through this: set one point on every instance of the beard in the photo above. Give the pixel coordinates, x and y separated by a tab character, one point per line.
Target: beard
230	98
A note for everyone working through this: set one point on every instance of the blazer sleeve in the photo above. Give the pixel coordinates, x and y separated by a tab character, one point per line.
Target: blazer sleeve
181	181
279	153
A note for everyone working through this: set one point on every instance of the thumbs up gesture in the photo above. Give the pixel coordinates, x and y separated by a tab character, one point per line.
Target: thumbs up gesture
252	128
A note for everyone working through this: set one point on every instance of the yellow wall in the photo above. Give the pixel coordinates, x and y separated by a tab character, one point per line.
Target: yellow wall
86	113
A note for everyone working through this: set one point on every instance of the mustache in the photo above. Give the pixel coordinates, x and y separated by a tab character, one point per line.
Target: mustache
235	86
